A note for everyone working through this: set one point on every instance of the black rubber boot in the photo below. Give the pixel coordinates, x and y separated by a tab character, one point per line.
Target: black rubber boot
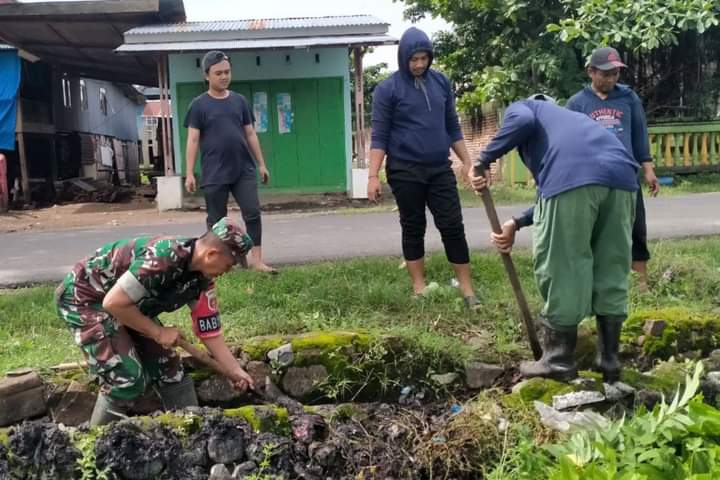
607	360
558	359
178	395
107	410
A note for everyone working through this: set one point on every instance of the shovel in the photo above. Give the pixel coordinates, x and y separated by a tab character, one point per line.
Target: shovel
479	170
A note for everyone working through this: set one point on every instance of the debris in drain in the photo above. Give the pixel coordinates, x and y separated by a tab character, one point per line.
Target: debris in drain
354	441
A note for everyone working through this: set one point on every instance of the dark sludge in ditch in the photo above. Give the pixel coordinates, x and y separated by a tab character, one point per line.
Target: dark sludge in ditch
371	441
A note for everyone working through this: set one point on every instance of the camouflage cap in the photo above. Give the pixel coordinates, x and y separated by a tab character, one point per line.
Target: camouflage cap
234	236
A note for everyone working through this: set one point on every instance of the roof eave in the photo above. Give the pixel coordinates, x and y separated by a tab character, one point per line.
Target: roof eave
257	44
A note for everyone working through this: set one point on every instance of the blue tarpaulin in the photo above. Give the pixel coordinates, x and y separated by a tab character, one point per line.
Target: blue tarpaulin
9	83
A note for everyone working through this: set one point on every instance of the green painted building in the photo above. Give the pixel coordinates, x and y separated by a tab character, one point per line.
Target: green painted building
295	75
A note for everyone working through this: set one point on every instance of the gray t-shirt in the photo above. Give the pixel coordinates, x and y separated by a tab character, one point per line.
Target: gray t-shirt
225	152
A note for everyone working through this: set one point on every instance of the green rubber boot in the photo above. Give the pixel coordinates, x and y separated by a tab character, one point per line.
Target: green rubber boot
607	360
107	410
558	359
176	396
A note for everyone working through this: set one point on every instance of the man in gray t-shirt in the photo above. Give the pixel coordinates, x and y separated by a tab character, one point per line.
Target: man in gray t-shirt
220	123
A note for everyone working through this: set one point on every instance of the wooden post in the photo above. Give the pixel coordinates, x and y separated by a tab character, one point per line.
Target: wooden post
358	53
4	187
167	167
20	136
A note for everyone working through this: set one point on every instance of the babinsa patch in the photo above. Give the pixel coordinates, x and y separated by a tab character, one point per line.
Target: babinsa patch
205	314
209	324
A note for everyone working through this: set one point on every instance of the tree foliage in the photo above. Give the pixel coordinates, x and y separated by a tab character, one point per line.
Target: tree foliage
502	50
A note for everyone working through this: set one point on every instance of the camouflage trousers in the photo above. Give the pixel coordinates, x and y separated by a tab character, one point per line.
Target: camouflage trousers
124	361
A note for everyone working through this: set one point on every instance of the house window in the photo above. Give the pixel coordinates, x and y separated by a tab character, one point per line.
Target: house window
83	95
66	91
103	101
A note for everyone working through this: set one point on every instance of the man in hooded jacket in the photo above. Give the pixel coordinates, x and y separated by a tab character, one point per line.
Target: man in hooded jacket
414	125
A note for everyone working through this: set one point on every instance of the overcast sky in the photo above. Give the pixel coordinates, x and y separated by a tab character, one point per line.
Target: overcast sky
387	10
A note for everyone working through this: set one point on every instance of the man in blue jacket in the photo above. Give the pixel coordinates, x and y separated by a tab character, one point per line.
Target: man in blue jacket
583	221
617	108
414	124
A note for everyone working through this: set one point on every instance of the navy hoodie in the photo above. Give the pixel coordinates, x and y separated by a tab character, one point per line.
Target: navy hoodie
621	113
563	150
414	120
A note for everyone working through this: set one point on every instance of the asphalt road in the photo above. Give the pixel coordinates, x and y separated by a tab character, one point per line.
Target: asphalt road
27	257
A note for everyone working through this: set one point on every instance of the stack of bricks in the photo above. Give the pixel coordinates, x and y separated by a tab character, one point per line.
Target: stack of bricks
478	134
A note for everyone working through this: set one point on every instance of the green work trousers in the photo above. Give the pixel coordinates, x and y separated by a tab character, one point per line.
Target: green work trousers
582	253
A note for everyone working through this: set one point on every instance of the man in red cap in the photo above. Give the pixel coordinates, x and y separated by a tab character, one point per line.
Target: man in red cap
616	107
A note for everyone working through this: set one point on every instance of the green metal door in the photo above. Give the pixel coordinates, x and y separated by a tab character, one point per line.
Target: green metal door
186	92
284	134
307	118
331	132
302	135
260	102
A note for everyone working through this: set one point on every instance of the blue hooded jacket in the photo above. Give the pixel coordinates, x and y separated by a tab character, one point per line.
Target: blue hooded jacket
414	120
621	113
563	150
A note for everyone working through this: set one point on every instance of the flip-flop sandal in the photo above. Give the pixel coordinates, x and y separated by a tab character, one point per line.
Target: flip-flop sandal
269	271
427	291
472	303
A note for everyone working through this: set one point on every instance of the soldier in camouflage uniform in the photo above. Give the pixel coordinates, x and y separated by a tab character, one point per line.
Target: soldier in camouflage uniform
111	302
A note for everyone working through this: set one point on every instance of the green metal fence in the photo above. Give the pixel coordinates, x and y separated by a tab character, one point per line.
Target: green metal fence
676	148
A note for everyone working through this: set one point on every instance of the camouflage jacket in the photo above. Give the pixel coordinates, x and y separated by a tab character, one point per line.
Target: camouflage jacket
153	271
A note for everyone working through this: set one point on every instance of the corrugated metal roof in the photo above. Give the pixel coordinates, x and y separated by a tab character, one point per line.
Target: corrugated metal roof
258	44
258	24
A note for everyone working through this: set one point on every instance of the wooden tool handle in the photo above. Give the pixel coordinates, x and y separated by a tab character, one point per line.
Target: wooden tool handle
200	355
492	215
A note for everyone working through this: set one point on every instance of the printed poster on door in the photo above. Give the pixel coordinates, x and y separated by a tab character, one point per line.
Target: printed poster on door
260	110
284	111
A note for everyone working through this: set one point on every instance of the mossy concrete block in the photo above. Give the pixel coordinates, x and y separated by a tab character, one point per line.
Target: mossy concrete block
310	348
684	331
665	378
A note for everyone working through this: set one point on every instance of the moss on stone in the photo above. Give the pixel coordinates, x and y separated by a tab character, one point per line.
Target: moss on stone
182	424
361	366
263	418
685	331
334	350
542	389
664	378
257	347
4	437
